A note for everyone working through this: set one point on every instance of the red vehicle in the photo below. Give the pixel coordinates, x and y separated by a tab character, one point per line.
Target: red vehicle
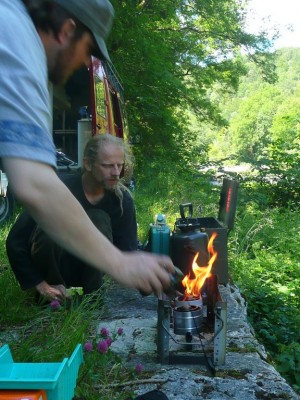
91	103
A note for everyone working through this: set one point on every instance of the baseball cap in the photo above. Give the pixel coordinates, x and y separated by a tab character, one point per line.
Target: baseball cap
96	15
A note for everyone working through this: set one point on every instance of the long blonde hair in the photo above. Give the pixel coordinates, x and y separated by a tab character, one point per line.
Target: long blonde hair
91	151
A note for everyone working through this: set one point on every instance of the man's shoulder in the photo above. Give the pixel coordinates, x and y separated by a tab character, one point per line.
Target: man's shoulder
127	199
127	195
74	183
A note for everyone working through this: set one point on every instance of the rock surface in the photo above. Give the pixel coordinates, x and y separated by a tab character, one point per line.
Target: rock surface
246	375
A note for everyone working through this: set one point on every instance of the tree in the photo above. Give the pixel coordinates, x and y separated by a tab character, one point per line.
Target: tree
250	127
170	55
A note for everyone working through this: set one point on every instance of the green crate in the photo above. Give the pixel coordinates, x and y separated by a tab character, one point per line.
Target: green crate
58	379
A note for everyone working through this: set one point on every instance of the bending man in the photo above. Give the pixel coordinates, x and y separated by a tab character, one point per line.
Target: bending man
59	37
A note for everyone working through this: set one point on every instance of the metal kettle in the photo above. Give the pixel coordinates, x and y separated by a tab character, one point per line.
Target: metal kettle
186	240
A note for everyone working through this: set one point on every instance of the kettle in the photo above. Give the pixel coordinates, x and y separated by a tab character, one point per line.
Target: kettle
186	240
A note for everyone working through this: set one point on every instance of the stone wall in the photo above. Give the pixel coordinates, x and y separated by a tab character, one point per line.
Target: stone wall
246	374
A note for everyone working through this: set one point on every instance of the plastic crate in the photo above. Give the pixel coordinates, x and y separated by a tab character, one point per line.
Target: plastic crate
57	379
23	395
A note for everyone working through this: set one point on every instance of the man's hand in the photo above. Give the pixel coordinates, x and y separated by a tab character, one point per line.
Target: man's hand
146	272
52	292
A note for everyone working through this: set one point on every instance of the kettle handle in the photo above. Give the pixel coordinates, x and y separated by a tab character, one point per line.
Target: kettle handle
183	206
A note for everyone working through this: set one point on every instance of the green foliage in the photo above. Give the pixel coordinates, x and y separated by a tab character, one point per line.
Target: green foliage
162	187
3	234
249	128
265	264
13	308
259	113
14	302
279	175
263	130
288	363
170	55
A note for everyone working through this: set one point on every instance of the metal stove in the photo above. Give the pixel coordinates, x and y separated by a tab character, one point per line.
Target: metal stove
193	330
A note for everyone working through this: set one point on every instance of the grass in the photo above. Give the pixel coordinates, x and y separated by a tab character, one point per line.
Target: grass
264	262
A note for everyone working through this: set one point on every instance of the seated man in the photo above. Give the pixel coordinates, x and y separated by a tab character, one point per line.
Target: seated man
38	262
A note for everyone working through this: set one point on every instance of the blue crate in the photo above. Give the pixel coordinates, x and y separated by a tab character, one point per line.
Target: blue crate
58	379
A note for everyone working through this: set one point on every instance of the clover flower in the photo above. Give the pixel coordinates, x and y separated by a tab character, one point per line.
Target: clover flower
139	368
109	341
120	331
55	305
88	346
102	346
104	332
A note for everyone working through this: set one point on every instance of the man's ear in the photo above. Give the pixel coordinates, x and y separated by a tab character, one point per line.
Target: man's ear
67	30
87	165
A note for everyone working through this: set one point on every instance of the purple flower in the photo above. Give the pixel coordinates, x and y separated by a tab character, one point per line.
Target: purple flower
88	347
109	341
102	346
104	332
120	331
55	305
138	368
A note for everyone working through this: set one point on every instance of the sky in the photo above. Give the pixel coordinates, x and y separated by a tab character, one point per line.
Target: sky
280	13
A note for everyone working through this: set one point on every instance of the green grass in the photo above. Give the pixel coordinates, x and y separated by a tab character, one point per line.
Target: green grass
263	261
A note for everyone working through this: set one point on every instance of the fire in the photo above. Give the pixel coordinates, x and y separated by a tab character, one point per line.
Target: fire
193	286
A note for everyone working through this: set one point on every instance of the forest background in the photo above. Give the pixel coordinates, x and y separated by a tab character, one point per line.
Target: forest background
203	95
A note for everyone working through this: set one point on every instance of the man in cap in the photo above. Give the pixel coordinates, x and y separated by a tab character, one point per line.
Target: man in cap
41	39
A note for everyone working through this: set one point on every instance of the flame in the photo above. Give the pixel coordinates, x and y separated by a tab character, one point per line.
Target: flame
193	286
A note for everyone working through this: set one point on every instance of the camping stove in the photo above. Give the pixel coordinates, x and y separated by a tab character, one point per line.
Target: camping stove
193	330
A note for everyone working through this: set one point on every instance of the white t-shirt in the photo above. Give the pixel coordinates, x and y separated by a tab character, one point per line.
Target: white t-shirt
25	108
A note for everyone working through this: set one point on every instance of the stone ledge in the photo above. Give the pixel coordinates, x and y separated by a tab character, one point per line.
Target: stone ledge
245	376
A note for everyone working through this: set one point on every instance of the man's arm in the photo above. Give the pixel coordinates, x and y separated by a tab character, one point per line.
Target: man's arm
60	215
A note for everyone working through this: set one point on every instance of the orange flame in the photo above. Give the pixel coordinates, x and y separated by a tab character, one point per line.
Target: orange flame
193	286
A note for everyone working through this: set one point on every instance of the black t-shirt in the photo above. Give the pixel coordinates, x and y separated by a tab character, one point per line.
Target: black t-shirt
124	226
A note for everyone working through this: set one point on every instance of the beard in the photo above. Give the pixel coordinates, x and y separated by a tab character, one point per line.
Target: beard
56	74
110	185
60	70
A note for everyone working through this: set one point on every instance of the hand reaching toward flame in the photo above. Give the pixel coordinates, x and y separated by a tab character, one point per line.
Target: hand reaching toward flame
145	272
